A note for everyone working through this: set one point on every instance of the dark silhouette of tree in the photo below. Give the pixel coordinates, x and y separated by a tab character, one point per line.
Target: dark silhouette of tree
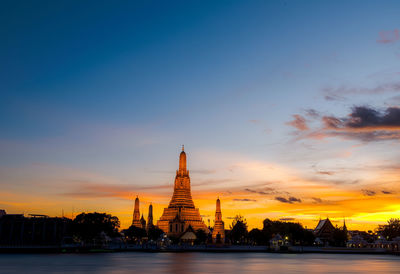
89	226
154	233
135	234
339	237
257	237
391	229
294	232
201	236
238	233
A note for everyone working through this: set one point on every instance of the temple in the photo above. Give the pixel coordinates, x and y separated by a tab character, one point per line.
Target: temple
150	217
218	235
142	222
324	231
136	214
181	212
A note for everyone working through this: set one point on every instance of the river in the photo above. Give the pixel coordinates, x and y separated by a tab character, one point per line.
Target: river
197	262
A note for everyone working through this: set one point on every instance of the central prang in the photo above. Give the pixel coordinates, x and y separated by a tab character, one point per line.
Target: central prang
181	212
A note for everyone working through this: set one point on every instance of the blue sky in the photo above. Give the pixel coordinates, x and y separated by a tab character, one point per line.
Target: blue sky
109	91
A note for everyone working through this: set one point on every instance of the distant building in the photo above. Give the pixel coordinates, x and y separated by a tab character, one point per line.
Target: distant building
324	230
181	211
188	236
136	214
357	242
2	212
218	234
37	230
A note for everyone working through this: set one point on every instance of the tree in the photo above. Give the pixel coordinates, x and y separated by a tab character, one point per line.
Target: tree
135	233
201	236
89	226
257	237
391	229
294	232
238	233
339	237
154	233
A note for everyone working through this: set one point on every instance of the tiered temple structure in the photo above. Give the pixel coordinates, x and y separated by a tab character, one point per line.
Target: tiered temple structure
218	235
136	214
150	217
181	212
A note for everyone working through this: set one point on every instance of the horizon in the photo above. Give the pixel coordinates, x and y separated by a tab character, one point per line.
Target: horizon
287	110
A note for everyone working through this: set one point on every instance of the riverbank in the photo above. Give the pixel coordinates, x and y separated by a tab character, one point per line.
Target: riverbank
203	248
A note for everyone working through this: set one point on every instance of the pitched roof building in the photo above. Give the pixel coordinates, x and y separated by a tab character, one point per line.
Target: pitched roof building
324	230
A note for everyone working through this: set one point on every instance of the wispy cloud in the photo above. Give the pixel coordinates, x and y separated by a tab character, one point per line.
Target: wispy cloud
325	172
362	123
289	200
317	200
264	191
286	219
312	113
340	93
245	200
368	192
91	190
299	122
388	36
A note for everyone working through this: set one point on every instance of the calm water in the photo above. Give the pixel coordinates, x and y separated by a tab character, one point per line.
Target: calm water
198	263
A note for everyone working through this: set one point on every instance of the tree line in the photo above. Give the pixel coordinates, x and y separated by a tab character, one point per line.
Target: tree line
87	227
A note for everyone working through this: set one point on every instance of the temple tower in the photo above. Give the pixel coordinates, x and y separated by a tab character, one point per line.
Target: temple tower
150	217
218	234
181	208
143	222
136	214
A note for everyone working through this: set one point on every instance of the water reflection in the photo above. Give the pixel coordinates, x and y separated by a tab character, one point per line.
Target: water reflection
198	263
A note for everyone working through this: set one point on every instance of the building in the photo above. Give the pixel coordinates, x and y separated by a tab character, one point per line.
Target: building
181	211
136	214
324	230
143	222
150	217
218	235
35	230
188	237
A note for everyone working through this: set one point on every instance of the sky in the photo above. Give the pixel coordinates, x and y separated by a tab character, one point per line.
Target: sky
288	110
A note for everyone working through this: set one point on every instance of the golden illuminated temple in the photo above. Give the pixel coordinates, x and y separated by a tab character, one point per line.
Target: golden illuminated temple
181	212
218	234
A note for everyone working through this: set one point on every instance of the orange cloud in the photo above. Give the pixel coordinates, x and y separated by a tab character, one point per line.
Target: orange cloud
299	122
388	36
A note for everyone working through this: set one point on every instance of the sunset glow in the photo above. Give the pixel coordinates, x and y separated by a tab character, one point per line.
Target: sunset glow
288	111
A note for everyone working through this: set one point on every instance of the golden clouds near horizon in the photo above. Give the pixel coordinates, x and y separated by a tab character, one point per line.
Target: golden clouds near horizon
254	189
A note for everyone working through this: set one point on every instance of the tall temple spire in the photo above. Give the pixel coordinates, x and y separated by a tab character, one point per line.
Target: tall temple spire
182	161
181	203
136	214
218	234
150	217
143	222
218	210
